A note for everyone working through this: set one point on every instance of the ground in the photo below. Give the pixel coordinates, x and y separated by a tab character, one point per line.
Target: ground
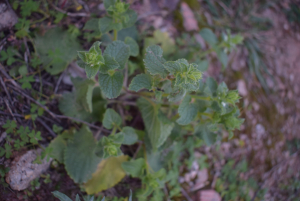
269	138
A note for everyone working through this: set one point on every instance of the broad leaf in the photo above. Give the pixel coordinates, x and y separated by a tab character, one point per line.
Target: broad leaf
212	85
61	196
203	65
131	16
111	85
130	137
141	81
134	167
154	61
222	57
157	126
111	119
203	132
187	111
84	92
209	36
105	24
134	47
109	173
176	95
63	47
108	3
173	67
80	158
119	51
110	64
91	71
163	39
58	146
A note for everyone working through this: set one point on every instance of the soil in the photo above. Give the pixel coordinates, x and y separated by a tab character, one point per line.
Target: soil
267	139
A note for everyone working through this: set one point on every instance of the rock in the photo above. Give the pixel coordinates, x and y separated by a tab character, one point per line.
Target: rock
242	88
23	171
189	21
209	195
8	17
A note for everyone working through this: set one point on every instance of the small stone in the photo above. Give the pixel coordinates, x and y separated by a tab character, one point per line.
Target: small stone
23	171
8	17
241	85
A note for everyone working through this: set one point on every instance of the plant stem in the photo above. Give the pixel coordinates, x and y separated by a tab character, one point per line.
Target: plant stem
115	35
114	130
165	95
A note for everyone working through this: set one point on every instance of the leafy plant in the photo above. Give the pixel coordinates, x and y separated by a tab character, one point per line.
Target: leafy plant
180	108
232	187
18	138
63	197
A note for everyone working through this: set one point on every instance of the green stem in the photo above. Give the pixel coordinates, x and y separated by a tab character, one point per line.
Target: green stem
114	130
200	97
145	156
165	95
206	114
115	35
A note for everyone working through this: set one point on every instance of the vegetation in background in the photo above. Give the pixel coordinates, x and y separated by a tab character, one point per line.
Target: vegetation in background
181	110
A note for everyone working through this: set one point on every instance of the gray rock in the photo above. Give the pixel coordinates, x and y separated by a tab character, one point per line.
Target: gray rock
8	17
23	171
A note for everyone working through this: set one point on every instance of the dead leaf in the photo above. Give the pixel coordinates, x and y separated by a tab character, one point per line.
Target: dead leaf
109	172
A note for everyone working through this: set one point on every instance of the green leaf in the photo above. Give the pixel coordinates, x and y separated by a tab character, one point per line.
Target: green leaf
130	137
204	133
209	36
187	111
134	167
70	107
84	92
56	39
163	39
131	16
110	146
222	57
154	62
119	51
80	158
110	64
203	65
77	198
81	64
109	172
23	70
91	70
105	24
141	81
108	3
176	95
157	126
133	46
212	85
61	196
96	45
173	67
111	85
111	119
58	146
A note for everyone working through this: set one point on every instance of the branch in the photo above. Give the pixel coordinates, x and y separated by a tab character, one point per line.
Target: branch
70	14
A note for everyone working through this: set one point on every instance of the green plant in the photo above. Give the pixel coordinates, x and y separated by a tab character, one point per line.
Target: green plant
180	111
232	186
63	197
18	138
